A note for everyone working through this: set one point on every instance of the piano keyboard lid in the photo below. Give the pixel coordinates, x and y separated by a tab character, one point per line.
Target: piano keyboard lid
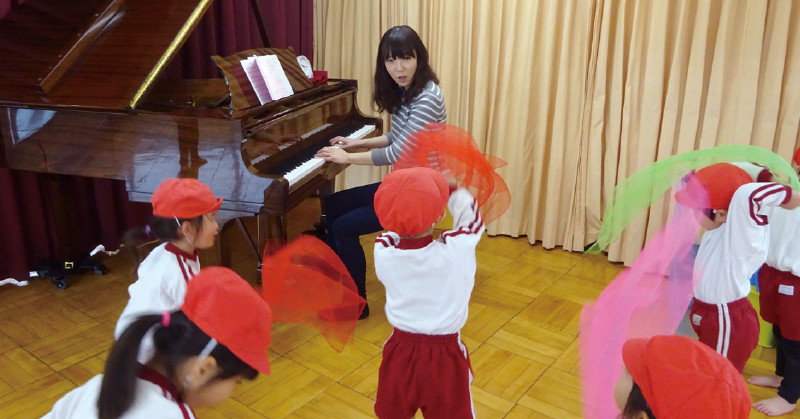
101	54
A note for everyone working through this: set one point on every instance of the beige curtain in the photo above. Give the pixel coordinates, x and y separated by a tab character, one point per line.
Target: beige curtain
576	95
674	76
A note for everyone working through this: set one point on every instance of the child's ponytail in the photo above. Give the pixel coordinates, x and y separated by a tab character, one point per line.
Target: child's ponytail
159	229
135	238
118	389
176	340
183	339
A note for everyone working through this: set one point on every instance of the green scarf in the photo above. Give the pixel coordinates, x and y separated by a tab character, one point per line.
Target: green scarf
644	187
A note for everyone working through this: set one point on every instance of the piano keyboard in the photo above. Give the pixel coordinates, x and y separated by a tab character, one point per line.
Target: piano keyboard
315	130
299	173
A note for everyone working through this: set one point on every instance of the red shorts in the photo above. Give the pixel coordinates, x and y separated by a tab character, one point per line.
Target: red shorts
779	298
428	372
730	329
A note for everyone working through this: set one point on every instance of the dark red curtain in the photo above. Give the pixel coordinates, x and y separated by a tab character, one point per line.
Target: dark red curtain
230	27
56	217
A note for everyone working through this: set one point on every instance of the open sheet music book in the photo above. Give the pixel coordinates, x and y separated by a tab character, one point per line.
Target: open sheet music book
256	79
267	78
274	76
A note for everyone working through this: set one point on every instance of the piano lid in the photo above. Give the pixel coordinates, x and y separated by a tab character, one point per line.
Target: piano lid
100	54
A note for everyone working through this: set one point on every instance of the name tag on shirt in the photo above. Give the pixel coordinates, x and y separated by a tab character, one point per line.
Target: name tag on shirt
786	289
696	318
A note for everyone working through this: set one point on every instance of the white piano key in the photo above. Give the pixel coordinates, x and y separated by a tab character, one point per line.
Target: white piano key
361	132
307	167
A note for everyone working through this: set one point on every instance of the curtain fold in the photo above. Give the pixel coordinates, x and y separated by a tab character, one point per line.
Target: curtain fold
577	95
685	75
46	217
230	26
347	50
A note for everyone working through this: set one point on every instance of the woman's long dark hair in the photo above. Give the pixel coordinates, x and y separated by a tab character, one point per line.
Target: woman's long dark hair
636	403
175	344
160	229
400	42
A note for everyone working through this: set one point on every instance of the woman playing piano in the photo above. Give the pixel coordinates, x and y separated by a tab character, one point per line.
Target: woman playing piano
407	87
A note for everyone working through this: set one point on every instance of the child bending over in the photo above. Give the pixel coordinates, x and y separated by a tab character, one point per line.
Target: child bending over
674	377
735	212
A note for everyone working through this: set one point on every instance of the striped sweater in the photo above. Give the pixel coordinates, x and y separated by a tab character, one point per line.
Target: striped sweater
427	107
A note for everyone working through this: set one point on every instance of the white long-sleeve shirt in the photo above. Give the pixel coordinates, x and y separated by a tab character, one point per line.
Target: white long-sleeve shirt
756	171
784	232
429	282
161	286
155	398
730	254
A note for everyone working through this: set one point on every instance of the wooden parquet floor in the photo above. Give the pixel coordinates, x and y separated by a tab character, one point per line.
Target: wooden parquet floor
521	334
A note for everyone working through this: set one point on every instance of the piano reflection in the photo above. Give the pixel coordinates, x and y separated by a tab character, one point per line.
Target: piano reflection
92	105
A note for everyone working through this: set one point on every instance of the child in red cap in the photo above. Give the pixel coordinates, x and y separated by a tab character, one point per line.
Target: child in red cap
184	212
735	212
217	339
674	377
428	286
779	300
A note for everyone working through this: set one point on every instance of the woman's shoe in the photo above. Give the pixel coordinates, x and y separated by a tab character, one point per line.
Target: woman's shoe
318	231
365	312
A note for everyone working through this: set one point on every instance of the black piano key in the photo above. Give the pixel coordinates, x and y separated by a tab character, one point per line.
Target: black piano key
308	153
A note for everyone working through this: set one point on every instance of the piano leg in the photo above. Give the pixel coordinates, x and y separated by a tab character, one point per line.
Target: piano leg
326	190
321	227
271	235
272	232
225	254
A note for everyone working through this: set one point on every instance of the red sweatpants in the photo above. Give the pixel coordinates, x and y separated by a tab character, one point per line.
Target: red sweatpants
428	372
730	329
779	298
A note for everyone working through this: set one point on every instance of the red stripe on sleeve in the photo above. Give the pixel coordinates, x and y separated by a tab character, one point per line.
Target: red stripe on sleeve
761	193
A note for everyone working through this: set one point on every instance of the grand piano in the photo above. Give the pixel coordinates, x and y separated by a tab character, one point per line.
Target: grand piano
83	97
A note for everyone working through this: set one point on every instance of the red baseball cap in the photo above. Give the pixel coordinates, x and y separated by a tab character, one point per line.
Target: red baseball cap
683	378
228	309
713	186
409	201
184	198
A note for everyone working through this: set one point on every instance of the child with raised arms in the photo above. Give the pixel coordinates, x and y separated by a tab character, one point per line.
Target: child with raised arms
428	286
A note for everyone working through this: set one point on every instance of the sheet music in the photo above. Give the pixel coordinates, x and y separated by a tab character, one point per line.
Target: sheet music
274	77
256	79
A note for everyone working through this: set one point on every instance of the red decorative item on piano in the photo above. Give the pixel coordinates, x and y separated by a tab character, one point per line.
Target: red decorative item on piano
305	282
453	151
320	77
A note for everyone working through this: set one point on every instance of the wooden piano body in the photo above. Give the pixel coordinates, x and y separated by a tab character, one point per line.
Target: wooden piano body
83	98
